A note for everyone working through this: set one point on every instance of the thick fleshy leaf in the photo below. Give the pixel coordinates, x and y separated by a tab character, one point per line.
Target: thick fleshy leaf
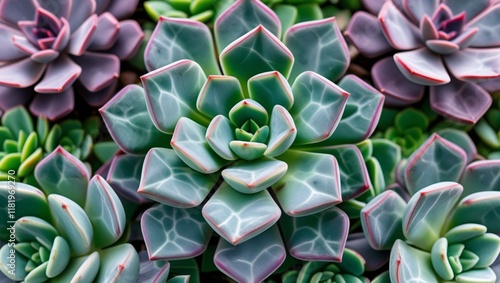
381	220
248	109
481	208
122	10
16	120
105	211
270	89
13	11
98	70
252	177
59	257
311	184
474	65
354	177
361	113
471	9
461	101
84	269
481	176
318	107
409	264
399	31
129	40
167	179
219	135
486	22
441	46
258	51
32	200
218	95
11	97
60	74
484	275
10	50
238	217
428	211
240	18
63	174
365	33
30	228
17	274
462	139
189	143
125	175
118	264
283	132
82	36
437	160
176	39
373	259
153	271
391	82
248	150
171	93
388	154
306	240
486	247
53	105
173	233
106	32
22	73
72	222
417	9
253	260
318	46
421	66
126	115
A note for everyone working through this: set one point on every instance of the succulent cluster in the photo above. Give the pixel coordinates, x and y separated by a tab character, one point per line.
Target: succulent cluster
488	130
68	231
446	45
54	49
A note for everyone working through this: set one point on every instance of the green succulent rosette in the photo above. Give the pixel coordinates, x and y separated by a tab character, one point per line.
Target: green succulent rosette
24	144
488	131
66	232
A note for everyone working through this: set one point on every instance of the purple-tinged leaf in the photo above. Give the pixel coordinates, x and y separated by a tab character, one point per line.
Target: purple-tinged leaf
173	233
63	37
381	220
240	18
21	74
59	76
99	70
461	101
105	211
60	9
124	176
422	67
253	260
480	176
417	9
311	184
23	44
428	211
126	115
471	9
373	6
408	264
318	107
98	98
63	174
365	33
11	97
82	37
480	208
129	40
44	56
399	31
176	39
106	32
474	65
218	95
391	82
168	180
373	259
118	264
53	105
153	271
171	93
306	240
465	39
12	11
122	9
488	34
437	160
427	28
81	12
238	217
258	51
72	223
9	50
318	46
443	47
188	141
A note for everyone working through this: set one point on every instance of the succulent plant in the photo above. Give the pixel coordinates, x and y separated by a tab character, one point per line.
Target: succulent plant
351	270
67	231
25	144
488	131
436	237
199	10
234	144
163	271
49	46
446	45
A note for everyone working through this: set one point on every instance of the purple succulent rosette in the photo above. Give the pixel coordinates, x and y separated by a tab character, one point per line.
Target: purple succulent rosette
49	46
452	46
